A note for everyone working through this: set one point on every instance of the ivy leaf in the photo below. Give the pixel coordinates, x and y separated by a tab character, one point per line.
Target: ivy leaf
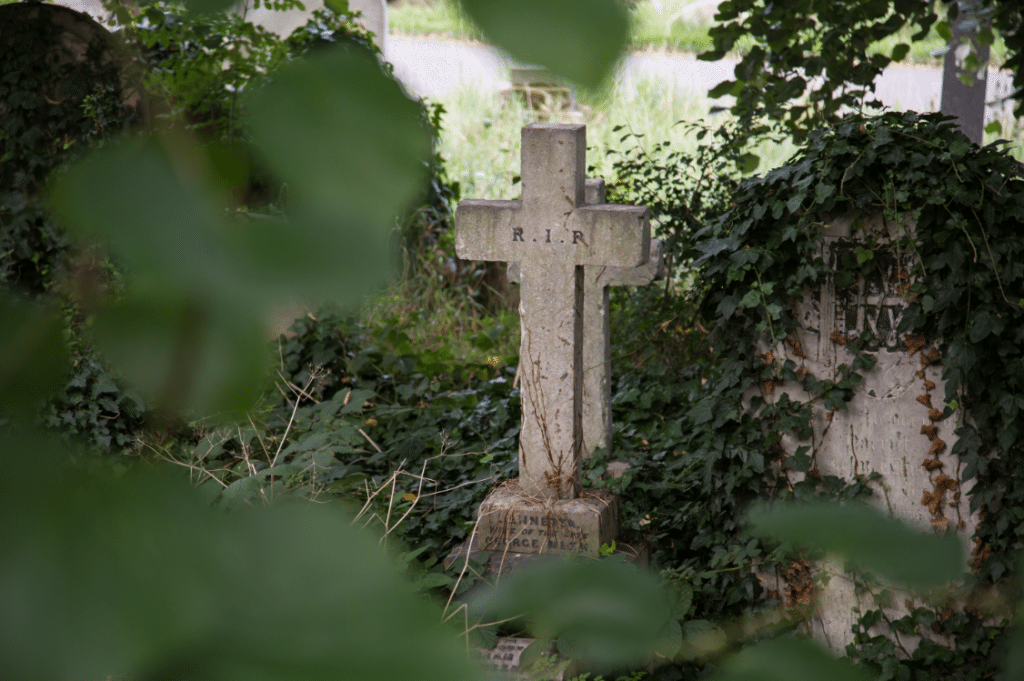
983	324
751	299
900	51
863	254
944	30
669	645
823	191
712	247
794	202
995	127
579	40
727	307
867	537
801	461
484	637
748	163
726	87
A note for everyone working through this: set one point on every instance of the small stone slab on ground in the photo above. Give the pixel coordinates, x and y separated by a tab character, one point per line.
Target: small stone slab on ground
506	655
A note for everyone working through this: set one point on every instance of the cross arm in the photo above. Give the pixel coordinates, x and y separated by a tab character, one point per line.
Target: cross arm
653	269
615	235
484	230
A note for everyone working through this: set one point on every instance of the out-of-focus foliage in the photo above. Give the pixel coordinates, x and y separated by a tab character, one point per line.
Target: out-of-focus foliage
134	575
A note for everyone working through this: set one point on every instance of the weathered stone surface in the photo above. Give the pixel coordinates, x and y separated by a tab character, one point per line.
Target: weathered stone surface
597	353
616	469
893	426
965	102
512	521
552	234
499	563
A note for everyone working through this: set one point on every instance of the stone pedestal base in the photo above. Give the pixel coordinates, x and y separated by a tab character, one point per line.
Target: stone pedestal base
511	521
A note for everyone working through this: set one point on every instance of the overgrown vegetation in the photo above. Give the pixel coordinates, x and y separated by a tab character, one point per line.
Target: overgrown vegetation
962	295
412	431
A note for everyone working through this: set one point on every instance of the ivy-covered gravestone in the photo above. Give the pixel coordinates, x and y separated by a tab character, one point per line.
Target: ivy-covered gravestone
876	398
64	84
63	79
869	295
553	234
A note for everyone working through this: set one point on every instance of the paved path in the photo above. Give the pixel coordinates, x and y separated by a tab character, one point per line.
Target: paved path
435	67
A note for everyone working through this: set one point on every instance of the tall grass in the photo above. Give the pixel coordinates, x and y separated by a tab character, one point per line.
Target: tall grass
431	17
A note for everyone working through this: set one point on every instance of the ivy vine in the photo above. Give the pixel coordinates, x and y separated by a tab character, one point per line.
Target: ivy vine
962	279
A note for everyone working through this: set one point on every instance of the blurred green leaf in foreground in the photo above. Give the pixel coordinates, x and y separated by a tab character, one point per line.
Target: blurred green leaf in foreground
578	40
606	613
872	540
787	659
136	575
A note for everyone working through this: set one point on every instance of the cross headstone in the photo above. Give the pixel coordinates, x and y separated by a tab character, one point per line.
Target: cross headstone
552	234
597	353
893	425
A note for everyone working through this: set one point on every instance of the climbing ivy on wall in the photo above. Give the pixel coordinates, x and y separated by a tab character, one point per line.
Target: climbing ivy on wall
963	290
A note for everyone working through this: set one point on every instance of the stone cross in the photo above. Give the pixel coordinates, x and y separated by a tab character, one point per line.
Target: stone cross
597	351
965	102
552	234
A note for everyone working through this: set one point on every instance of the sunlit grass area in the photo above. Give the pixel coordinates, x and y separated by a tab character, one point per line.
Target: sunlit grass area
481	146
430	17
480	142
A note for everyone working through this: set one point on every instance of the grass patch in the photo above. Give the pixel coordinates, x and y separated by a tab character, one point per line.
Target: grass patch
434	18
432	305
